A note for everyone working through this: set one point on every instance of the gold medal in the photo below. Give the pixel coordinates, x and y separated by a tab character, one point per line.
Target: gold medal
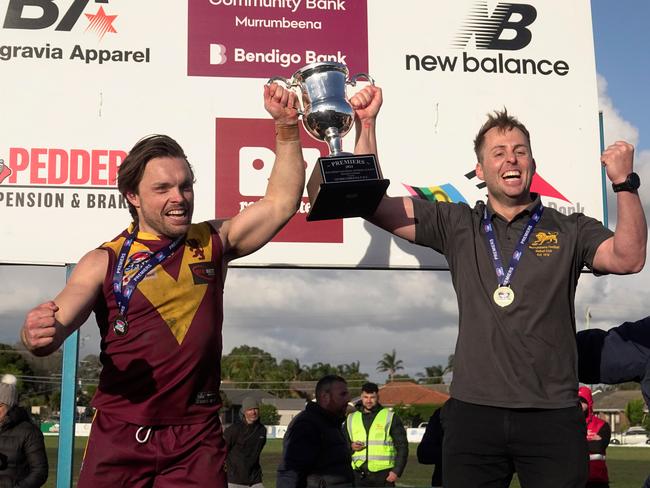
503	296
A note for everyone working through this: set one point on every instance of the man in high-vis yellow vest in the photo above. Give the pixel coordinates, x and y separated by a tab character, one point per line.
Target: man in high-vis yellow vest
378	441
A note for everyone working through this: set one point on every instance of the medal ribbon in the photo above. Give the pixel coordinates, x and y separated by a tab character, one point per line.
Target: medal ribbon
123	294
505	277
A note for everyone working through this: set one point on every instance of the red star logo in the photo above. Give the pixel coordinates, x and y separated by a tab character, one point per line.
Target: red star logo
101	23
5	171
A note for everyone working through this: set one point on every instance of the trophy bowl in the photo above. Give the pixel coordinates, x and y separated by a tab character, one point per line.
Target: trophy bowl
342	184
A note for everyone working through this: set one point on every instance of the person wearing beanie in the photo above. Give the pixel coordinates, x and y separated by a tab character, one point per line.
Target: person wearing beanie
245	441
23	462
598	435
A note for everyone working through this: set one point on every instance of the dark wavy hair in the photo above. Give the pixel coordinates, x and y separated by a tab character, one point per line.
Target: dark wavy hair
132	168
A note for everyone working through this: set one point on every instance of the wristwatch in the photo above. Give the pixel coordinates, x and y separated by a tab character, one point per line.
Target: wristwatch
631	183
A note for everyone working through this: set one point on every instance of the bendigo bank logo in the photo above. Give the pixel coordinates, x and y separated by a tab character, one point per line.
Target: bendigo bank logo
63	16
244	160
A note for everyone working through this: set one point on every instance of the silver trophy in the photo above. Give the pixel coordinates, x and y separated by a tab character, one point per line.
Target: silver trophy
342	184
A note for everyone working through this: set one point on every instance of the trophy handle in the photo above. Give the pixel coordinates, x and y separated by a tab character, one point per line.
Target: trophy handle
353	81
290	85
275	79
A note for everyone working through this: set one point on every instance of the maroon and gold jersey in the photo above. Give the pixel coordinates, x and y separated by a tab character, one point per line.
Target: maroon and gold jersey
165	370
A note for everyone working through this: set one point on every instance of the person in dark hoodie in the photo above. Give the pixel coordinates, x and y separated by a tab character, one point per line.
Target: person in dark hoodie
378	440
430	448
23	462
244	442
617	355
598	435
315	451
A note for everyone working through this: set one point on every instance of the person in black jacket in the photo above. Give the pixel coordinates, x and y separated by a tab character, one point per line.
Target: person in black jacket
617	355
245	441
316	453
23	462
430	448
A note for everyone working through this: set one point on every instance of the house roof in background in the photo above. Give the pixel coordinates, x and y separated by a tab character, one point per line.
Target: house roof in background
615	399
410	393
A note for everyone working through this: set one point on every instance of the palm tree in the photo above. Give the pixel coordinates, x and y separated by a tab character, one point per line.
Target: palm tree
431	375
390	364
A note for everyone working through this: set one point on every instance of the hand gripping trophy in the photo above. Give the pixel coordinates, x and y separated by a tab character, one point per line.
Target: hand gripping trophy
342	184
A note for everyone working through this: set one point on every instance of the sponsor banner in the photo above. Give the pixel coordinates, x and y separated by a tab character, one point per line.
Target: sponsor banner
83	80
265	38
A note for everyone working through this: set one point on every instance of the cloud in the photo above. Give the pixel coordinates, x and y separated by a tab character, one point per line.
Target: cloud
24	287
615	126
612	300
342	316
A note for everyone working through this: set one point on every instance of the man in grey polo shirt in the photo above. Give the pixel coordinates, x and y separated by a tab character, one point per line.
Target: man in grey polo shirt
514	405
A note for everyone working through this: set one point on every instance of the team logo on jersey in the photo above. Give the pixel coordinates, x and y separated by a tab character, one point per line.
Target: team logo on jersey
203	273
195	246
545	243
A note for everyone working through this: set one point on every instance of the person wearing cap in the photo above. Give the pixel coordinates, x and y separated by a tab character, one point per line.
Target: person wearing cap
244	442
598	435
23	462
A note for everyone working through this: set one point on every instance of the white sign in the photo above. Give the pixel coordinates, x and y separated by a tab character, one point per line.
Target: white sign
83	81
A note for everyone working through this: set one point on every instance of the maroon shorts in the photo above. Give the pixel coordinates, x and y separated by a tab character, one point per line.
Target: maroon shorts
170	456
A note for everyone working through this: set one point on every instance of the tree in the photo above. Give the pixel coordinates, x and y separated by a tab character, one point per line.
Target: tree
408	414
432	375
634	411
248	365
390	364
292	370
269	414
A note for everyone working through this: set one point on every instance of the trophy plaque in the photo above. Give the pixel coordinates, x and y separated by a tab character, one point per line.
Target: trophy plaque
341	184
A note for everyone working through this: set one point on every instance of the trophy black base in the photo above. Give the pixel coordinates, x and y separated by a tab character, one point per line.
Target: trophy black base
346	185
347	199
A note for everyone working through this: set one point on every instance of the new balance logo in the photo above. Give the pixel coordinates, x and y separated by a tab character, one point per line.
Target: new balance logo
506	29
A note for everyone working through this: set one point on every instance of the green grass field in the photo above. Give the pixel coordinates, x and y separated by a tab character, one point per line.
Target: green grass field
628	466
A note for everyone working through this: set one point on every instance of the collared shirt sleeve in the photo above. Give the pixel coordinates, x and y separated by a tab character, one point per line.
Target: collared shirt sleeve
435	222
591	234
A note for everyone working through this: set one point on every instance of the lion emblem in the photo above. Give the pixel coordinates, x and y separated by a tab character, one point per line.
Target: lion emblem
542	238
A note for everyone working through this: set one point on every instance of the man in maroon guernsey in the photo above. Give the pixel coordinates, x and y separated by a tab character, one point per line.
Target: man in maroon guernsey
156	290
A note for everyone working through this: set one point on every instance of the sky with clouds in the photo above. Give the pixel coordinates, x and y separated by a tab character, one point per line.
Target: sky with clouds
342	316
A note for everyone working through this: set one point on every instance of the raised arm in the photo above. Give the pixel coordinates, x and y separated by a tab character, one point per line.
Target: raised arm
625	252
394	214
50	323
258	223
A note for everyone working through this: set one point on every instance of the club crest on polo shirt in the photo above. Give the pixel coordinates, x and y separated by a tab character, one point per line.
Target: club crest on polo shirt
544	243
